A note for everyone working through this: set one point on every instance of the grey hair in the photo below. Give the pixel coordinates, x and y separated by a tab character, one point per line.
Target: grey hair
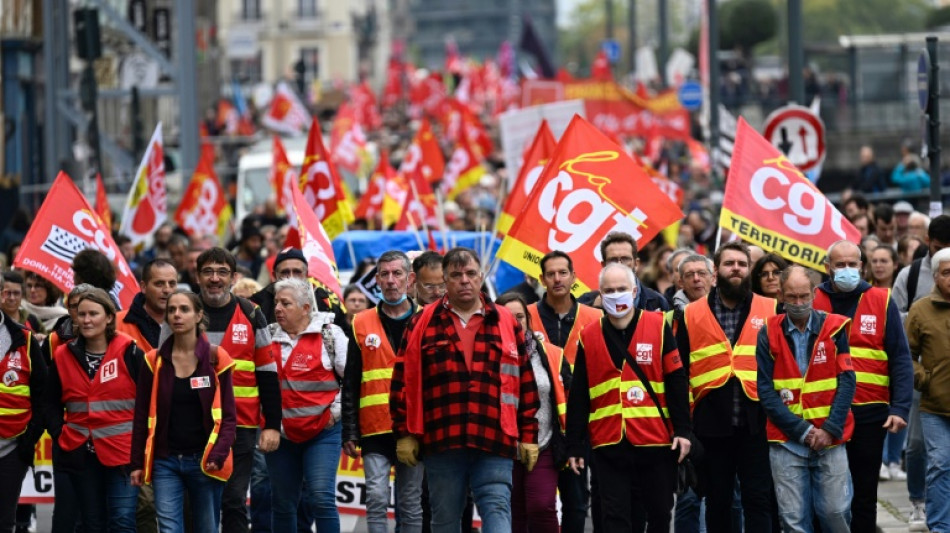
301	290
917	215
939	257
835	244
631	277
676	253
79	290
695	258
396	255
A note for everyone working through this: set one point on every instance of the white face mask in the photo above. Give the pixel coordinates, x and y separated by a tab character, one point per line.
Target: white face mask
617	304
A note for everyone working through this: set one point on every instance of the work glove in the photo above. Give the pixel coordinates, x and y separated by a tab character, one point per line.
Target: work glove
407	451
529	455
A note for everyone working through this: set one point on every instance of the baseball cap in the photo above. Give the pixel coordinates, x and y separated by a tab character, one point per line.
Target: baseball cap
289	253
903	207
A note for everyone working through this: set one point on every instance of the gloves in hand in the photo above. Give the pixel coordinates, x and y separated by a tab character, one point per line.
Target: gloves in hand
407	451
529	455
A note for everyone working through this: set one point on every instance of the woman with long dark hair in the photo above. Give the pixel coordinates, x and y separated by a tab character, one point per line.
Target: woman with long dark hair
765	275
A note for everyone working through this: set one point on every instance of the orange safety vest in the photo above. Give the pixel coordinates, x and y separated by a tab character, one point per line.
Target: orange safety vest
619	403
306	389
712	358
131	330
223	363
509	370
15	407
238	341
585	315
809	397
378	361
866	339
555	358
101	408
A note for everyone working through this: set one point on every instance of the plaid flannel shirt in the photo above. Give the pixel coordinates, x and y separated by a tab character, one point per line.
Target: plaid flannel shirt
462	406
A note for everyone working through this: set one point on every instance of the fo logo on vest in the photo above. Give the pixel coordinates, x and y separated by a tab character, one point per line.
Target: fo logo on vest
109	371
786	396
868	325
10	378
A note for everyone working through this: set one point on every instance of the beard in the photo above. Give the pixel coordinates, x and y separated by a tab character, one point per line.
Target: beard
733	292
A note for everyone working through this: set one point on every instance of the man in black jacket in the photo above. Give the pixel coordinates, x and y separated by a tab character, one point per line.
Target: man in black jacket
620	247
291	263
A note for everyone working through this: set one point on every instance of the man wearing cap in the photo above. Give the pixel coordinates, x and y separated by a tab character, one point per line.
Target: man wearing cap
902	212
291	263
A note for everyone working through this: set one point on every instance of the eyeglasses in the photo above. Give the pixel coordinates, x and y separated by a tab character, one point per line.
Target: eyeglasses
622	259
11	294
770	274
221	272
696	274
432	287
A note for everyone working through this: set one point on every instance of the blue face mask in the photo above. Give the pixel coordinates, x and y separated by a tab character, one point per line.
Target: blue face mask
397	302
847	279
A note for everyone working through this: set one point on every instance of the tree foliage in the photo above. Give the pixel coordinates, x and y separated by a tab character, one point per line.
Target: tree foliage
748	23
938	17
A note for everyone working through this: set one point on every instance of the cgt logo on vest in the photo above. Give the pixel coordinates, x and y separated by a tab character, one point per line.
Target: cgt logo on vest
644	353
868	325
239	334
757	322
109	371
10	378
820	355
302	362
14	361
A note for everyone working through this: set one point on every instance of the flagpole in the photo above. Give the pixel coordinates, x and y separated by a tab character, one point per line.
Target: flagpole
415	230
500	202
718	238
440	212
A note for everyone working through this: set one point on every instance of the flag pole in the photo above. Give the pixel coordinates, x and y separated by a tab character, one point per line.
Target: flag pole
440	212
502	196
718	238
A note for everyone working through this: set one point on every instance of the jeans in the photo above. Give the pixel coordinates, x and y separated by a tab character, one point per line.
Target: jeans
893	446
107	499
234	498
743	456
315	460
937	438
260	495
864	459
916	464
408	494
817	485
689	515
452	472
172	476
145	517
12	472
534	496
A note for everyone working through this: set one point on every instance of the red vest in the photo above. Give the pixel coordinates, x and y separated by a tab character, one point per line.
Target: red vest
866	339
809	397
378	359
15	407
131	330
306	389
238	341
619	403
101	408
585	315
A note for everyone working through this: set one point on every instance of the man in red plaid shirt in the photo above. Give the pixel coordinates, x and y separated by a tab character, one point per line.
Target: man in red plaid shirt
463	385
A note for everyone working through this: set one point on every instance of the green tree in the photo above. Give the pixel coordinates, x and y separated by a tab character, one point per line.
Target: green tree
938	17
748	23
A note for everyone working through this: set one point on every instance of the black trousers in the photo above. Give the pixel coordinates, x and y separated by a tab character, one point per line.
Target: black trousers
864	459
234	498
746	456
12	472
631	477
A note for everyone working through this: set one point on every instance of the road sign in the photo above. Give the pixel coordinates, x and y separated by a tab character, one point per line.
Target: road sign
690	95
923	79
612	47
799	134
138	70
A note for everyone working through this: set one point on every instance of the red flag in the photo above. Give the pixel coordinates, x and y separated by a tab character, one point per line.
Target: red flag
64	226
600	70
322	187
347	140
461	124
364	105
321	264
146	206
286	113
102	202
425	154
204	208
588	189
394	90
770	203
419	204
284	179
427	96
371	204
538	154
463	171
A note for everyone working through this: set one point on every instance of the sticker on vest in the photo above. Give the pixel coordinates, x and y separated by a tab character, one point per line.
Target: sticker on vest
757	322
109	371
14	361
373	341
635	394
302	362
239	334
820	355
786	396
200	382
868	325
10	378
644	353
538	336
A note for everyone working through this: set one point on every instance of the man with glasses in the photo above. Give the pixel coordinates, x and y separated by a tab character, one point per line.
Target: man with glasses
10	298
239	326
620	247
428	285
291	263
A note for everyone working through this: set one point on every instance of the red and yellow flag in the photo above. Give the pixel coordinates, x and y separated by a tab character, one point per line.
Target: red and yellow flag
322	187
538	154
102	202
283	179
424	153
371	204
463	171
204	208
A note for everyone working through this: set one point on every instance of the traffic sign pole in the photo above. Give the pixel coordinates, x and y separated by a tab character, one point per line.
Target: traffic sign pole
933	111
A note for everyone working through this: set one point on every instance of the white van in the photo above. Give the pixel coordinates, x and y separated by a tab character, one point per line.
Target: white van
254	167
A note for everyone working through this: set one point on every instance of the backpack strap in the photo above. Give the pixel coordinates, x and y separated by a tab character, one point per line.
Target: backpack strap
912	277
329	341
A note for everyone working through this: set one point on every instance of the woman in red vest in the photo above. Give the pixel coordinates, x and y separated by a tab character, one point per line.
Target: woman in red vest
89	408
185	420
533	493
310	366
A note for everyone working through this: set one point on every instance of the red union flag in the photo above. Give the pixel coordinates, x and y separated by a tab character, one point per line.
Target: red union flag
770	203
204	208
102	202
321	264
424	153
371	204
145	208
463	171
347	140
322	187
284	179
286	113
588	189
538	154
64	226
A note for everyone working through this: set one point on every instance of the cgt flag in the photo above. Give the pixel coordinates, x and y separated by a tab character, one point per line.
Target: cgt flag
321	264
146	208
770	203
588	189
64	226
286	113
424	153
463	171
322	187
537	156
204	208
283	179
371	203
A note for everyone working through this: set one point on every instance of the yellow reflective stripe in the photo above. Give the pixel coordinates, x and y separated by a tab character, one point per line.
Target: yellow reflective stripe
5	411
216	413
817	412
796	409
710	376
644	412
703	353
151	422
244	366
820	385
869	353
747	375
245	392
382	373
16	390
659	387
791	383
605	412
605	387
742	349
374	399
871	378
562	408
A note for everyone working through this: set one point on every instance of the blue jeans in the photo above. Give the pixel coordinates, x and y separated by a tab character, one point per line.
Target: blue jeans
260	495
107	500
408	494
690	513
315	460
819	484
916	454
451	473
172	476
937	438
893	446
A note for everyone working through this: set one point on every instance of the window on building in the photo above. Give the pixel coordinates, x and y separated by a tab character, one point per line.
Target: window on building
251	9
310	60
248	71
307	8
